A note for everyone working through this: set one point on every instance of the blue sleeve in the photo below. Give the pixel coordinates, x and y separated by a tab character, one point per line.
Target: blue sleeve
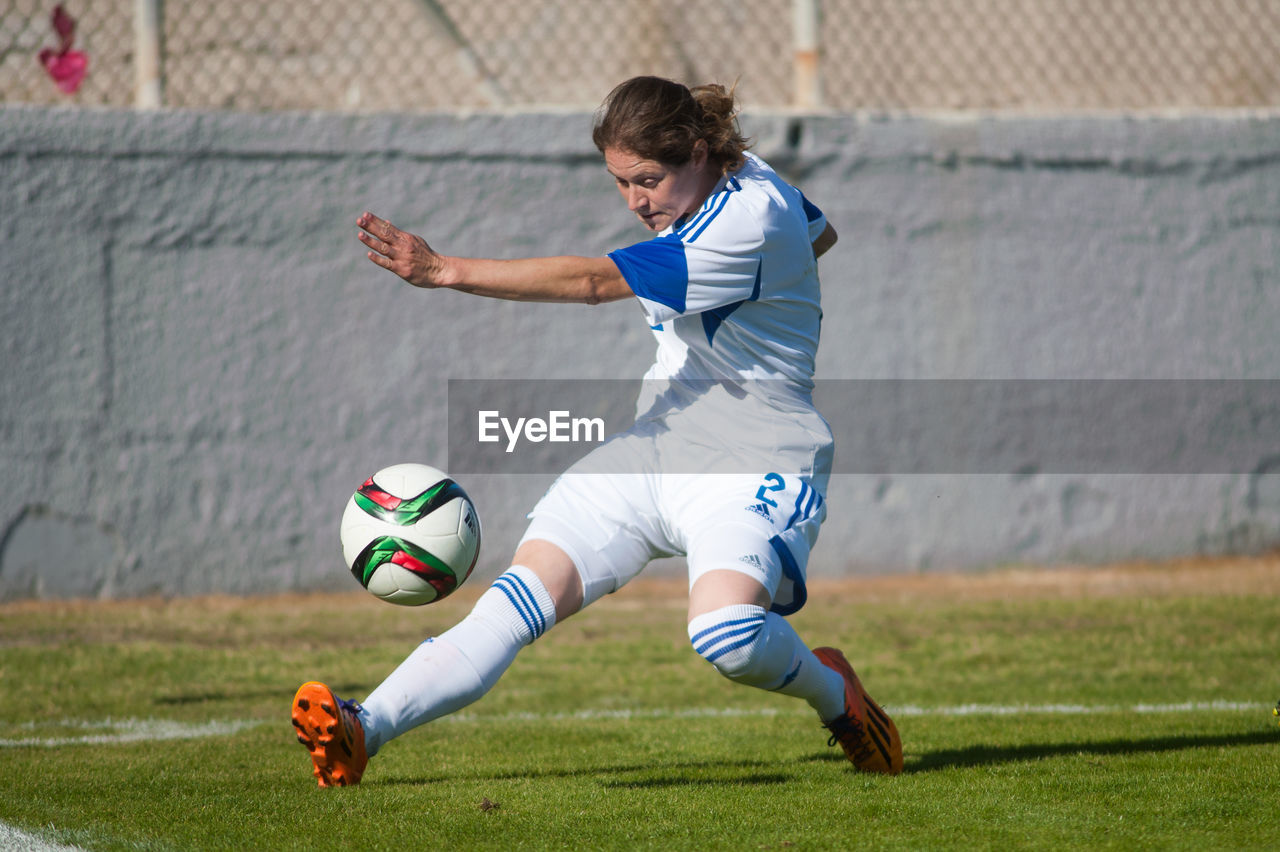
656	270
816	219
811	211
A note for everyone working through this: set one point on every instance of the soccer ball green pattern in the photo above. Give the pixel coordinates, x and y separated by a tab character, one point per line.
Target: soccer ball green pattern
410	534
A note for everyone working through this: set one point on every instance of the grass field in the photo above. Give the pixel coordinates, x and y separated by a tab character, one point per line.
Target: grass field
1126	707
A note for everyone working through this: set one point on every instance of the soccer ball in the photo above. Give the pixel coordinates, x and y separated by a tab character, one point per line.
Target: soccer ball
410	534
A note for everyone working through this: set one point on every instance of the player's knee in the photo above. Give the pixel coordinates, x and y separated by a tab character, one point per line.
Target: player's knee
734	639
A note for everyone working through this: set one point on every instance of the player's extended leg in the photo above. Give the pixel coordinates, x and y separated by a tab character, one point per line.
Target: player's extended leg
450	671
730	626
444	673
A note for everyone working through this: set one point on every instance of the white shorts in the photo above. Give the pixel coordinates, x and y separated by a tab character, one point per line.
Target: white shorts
613	524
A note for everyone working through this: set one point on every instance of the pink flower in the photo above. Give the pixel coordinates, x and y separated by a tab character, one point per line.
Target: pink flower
67	67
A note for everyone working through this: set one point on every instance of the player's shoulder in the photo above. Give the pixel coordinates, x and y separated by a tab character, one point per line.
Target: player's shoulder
763	189
778	208
753	178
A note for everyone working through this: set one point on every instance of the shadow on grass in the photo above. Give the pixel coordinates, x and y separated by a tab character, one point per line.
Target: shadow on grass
986	755
675	779
701	773
759	773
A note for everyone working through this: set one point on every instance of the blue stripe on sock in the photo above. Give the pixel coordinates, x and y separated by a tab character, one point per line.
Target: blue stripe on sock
749	631
517	604
518	593
722	625
513	591
735	646
526	594
528	605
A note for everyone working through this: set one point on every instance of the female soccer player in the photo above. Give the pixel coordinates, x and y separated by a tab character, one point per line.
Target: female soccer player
727	461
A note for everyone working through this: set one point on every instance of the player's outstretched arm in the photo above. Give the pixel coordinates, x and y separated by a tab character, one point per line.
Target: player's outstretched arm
590	280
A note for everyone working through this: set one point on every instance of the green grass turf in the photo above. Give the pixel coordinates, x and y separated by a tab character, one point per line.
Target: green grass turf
610	733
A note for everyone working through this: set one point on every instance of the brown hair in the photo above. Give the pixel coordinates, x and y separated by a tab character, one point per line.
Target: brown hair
661	120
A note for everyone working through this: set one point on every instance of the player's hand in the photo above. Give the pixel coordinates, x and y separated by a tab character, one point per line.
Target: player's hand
405	254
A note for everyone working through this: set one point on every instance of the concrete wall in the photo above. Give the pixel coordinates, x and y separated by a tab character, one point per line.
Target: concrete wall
200	365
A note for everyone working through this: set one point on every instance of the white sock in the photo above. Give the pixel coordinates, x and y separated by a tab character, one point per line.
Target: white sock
448	672
760	649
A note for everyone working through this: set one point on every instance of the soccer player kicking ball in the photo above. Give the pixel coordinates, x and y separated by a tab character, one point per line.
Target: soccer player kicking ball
727	461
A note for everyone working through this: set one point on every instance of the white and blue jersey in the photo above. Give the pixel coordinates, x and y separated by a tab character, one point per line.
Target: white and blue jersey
731	293
732	290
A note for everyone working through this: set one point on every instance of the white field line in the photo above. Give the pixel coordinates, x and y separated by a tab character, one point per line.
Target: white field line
17	840
123	731
1078	709
905	711
114	731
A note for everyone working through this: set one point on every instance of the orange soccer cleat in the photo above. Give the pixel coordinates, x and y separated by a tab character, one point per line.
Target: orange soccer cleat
866	733
330	729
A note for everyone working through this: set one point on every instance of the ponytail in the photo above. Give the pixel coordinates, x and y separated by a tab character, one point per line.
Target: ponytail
725	141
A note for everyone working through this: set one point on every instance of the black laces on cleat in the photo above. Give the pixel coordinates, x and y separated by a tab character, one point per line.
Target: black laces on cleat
840	728
849	734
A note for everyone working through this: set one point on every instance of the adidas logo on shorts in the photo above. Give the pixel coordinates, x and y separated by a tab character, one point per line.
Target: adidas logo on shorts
762	510
751	559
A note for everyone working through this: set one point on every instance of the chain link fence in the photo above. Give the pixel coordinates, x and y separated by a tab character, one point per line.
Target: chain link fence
430	55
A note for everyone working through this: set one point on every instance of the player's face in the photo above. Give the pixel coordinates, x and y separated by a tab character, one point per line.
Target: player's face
658	193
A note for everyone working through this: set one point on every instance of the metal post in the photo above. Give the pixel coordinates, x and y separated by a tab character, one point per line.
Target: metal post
806	25
468	59
149	56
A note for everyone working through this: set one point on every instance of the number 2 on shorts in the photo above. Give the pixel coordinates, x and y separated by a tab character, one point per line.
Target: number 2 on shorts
778	485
